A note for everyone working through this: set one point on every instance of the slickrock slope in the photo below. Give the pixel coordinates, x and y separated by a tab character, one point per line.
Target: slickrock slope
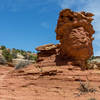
74	30
52	83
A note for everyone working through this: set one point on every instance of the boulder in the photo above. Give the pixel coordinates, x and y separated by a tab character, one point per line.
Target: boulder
19	56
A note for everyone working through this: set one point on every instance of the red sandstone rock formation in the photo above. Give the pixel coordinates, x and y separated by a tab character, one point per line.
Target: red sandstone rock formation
74	30
47	54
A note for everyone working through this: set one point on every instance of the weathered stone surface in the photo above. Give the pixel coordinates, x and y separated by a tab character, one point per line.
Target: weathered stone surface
47	54
46	47
74	30
19	56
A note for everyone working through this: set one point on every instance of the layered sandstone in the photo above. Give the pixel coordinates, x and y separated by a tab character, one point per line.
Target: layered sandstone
47	54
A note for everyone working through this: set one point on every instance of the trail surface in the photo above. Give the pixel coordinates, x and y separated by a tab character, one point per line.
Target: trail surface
51	83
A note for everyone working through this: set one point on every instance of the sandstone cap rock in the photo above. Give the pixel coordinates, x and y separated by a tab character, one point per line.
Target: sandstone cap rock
46	47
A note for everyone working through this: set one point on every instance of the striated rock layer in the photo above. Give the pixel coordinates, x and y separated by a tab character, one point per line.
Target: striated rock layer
47	55
74	31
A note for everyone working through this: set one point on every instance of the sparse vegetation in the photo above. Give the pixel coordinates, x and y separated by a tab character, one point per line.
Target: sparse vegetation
2	60
32	57
14	53
90	64
92	99
22	64
10	54
7	55
3	47
90	59
85	88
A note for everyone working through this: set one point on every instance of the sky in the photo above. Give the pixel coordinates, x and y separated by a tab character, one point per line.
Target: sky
27	24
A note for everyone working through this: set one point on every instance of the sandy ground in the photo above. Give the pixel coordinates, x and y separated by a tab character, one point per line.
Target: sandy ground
48	83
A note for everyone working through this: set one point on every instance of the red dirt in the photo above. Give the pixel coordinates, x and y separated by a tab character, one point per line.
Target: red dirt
48	83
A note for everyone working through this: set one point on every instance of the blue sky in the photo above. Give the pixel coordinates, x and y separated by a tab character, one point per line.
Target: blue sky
26	24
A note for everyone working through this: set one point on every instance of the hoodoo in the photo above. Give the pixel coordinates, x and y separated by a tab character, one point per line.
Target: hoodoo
74	31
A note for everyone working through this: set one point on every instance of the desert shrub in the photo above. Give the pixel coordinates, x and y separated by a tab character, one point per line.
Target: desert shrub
3	47
90	59
14	53
23	53
35	58
2	60
7	55
32	57
29	52
22	64
89	64
17	50
85	88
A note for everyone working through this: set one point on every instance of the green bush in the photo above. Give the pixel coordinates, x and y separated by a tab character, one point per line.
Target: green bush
32	57
35	58
89	64
91	58
14	53
17	50
7	55
3	47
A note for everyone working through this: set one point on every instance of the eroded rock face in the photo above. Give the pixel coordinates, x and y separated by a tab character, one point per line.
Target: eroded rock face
47	55
74	30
